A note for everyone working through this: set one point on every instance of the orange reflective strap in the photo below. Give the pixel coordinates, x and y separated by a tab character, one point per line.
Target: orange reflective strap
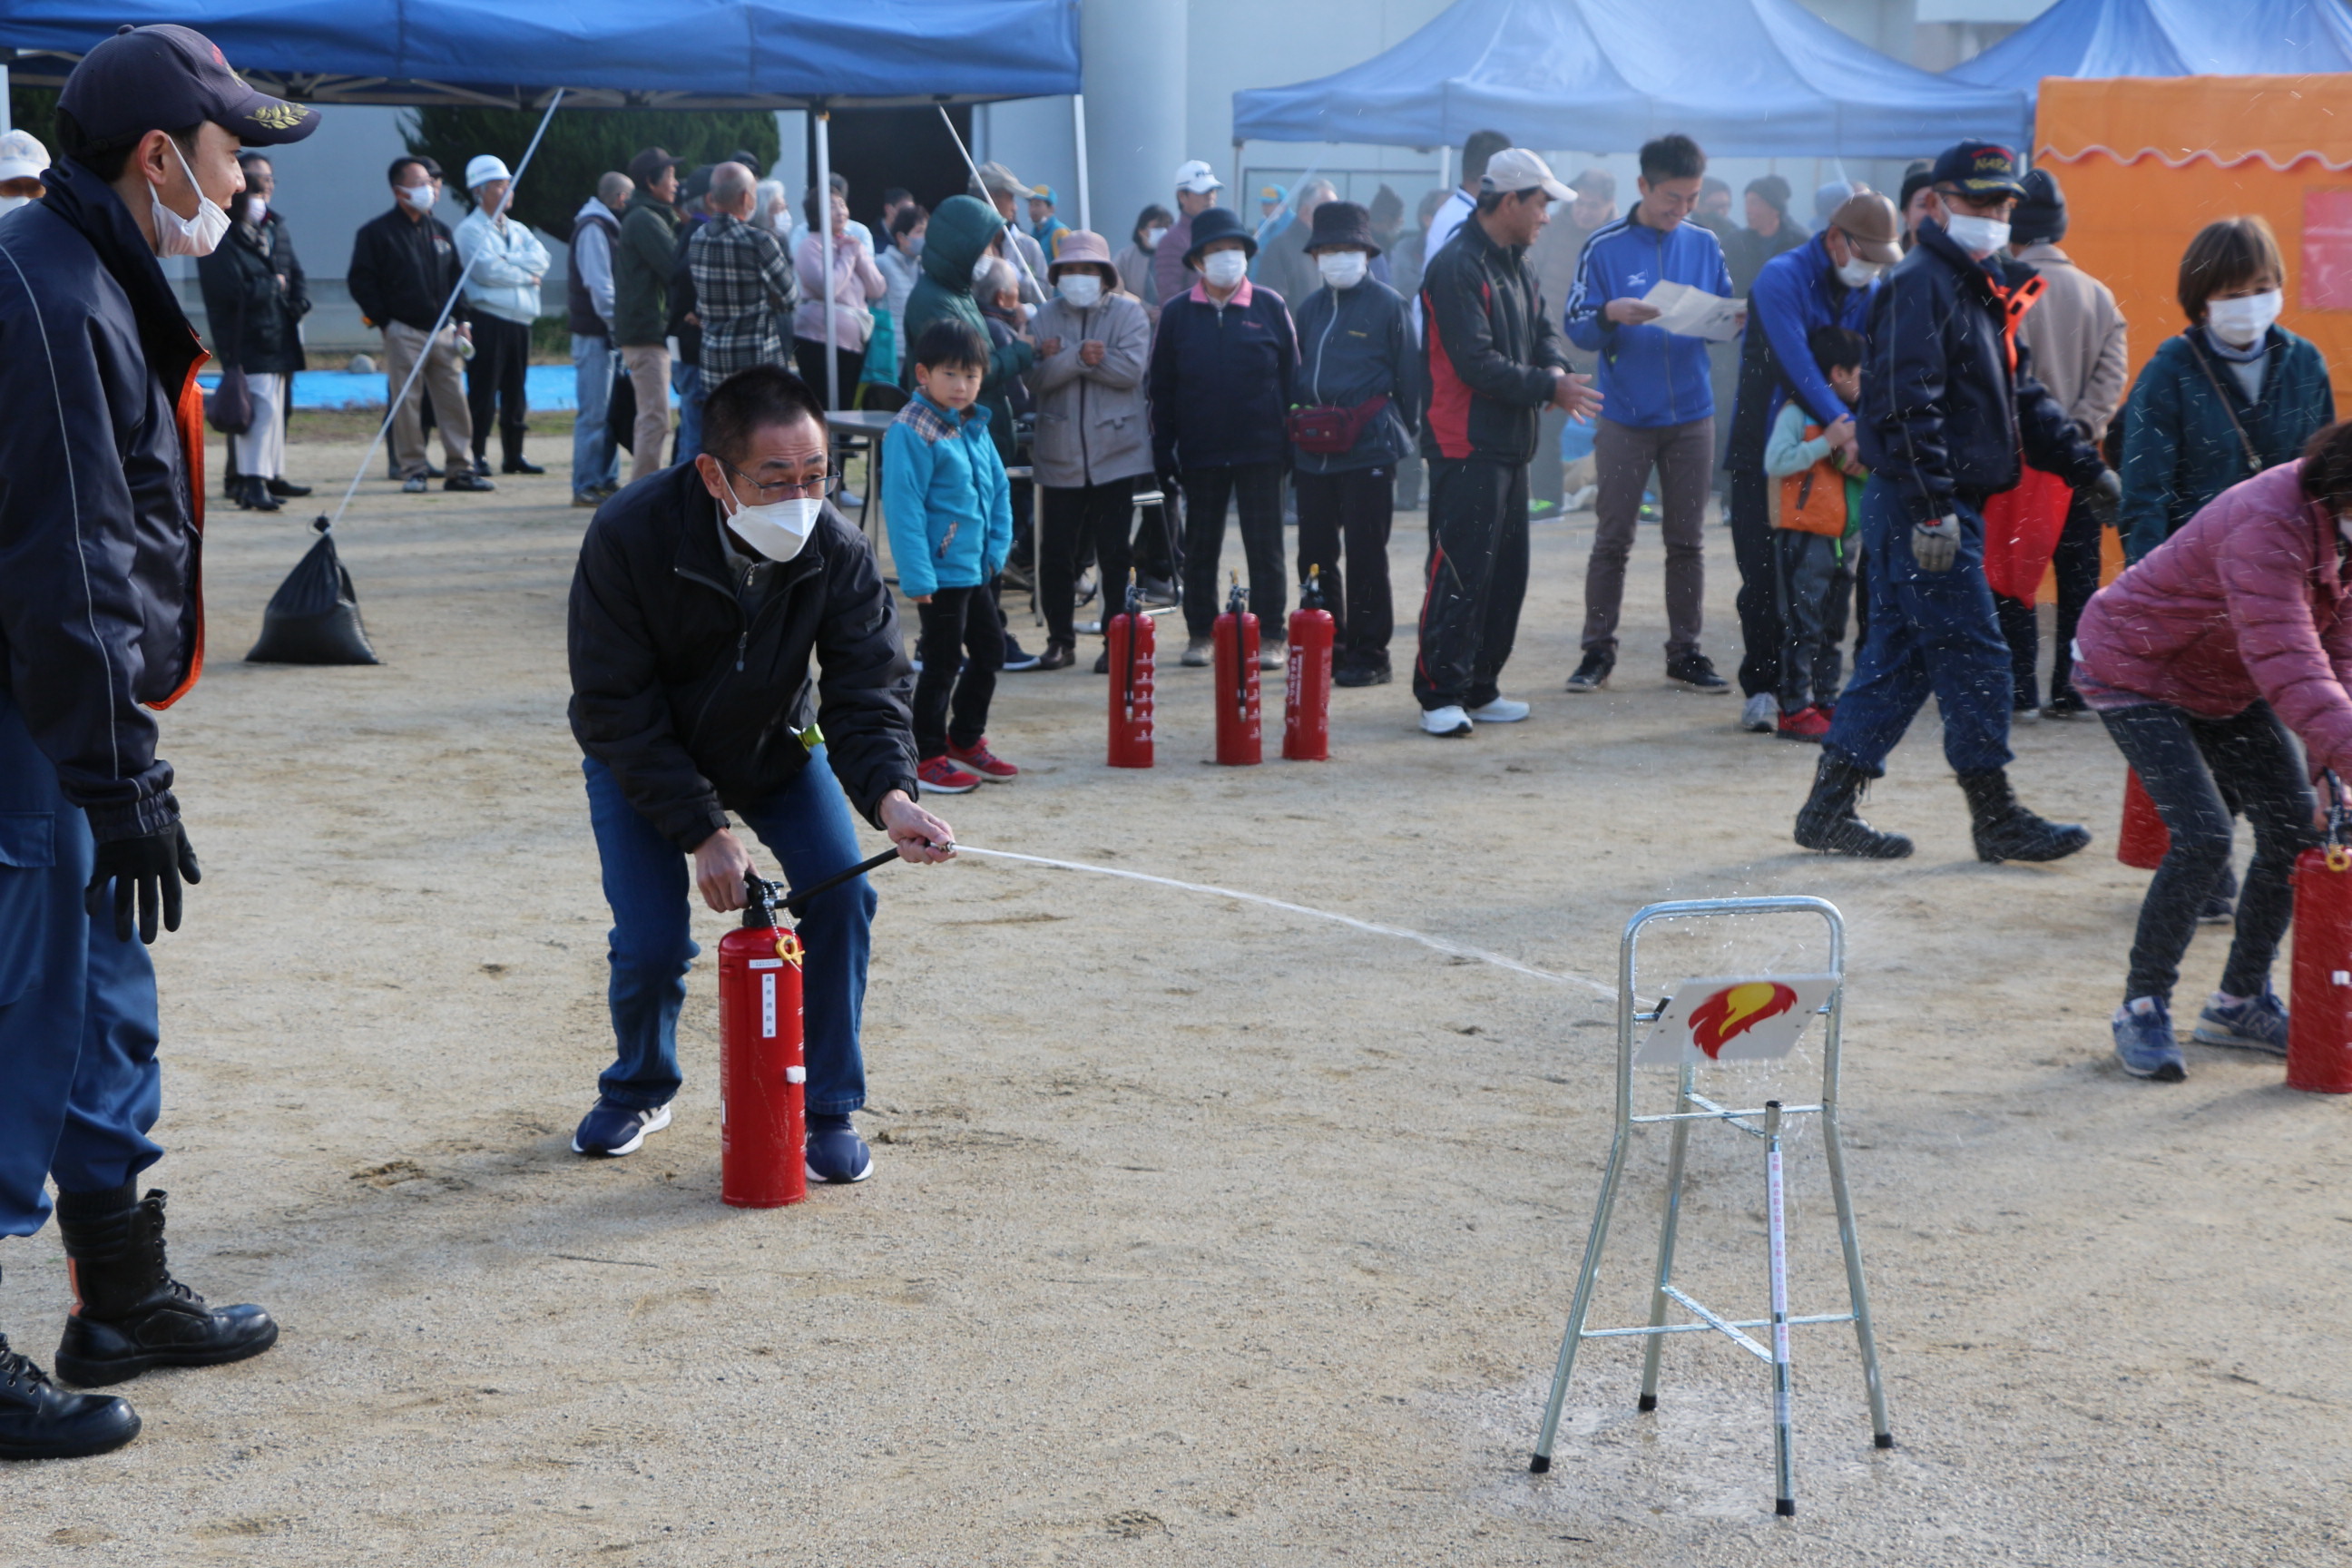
188	414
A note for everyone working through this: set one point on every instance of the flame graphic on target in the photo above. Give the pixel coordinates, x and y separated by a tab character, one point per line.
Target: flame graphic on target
1736	1009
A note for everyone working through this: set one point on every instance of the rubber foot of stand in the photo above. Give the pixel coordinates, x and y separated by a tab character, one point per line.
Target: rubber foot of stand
1884	1441
1647	1402
1785	1508
1539	1464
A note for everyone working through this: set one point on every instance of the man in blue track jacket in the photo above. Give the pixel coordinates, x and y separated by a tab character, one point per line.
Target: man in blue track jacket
1661	407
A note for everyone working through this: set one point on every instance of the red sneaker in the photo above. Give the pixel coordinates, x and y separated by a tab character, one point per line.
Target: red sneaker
981	760
1805	724
941	776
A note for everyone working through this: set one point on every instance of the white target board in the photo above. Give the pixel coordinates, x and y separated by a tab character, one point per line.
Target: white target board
1734	1018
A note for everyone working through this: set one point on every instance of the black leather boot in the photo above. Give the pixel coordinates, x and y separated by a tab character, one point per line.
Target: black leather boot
253	495
511	444
1828	822
2004	830
38	1420
129	1313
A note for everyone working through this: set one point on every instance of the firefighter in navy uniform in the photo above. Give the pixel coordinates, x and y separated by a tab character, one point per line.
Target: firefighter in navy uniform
101	489
1947	400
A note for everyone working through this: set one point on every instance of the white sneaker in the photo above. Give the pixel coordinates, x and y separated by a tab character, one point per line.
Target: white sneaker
1445	722
1761	714
1580	500
1501	710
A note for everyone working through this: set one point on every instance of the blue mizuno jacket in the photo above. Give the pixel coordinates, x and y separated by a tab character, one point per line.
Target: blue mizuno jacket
1649	378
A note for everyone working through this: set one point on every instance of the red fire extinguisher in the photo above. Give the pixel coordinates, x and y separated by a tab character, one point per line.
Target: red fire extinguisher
1132	662
2319	1000
2142	841
1235	636
762	1128
1306	695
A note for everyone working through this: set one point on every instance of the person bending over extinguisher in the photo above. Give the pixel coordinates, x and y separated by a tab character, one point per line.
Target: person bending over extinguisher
699	599
2201	658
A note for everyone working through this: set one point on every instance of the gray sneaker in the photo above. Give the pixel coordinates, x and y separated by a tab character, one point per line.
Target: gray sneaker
1197	653
1761	714
2144	1041
2256	1024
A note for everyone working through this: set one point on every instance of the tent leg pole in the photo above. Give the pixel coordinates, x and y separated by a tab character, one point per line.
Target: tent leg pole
1235	190
825	250
5	124
1079	133
1446	167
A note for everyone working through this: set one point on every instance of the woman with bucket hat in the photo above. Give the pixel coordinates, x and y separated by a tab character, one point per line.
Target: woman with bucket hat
1094	432
1354	425
1222	372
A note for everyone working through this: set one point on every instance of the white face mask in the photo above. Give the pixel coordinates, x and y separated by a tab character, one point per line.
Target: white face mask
418	196
1154	236
1343	269
777	530
254	209
980	267
1859	274
10	203
2240	323
177	236
1224	267
1980	237
1081	290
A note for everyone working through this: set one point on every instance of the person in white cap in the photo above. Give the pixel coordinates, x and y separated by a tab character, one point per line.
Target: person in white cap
1196	191
504	261
22	159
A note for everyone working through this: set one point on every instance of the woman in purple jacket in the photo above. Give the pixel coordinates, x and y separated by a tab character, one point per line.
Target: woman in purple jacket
2200	659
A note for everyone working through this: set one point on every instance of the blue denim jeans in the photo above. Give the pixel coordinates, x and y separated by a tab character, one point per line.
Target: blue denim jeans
1929	632
806	825
595	460
78	1022
686	380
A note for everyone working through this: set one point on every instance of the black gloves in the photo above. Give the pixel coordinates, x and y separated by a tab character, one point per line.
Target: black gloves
2105	497
152	867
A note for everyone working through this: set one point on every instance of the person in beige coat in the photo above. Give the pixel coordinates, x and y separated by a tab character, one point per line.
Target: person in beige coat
1094	432
2075	336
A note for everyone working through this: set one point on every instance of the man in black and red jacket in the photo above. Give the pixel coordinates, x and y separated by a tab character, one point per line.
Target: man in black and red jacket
1496	363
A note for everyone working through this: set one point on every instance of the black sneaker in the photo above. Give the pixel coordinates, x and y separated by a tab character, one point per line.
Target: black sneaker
1593	673
413	485
1017	657
610	1129
466	482
1361	675
2065	703
1695	672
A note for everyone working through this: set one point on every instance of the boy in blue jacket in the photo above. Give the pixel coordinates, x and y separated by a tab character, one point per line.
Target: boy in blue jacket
950	509
1660	406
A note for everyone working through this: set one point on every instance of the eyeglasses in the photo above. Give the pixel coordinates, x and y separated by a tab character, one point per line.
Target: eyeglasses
824	486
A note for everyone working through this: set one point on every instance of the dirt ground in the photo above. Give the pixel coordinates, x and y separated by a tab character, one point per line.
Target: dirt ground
1201	1232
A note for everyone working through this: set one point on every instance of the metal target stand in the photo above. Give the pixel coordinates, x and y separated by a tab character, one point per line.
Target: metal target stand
1765	1123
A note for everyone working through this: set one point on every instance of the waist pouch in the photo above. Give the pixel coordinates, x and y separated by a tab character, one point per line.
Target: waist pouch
1329	430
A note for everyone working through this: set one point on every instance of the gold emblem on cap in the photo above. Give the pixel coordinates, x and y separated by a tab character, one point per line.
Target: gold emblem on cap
277	116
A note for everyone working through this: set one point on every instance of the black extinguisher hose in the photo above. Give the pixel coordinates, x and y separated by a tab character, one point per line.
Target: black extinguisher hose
794	903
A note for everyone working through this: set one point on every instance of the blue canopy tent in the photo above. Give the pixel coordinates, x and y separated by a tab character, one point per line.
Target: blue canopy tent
2100	38
816	55
1746	77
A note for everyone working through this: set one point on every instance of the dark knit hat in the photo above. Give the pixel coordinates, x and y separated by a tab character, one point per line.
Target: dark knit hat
1343	223
1916	178
1215	224
2041	212
1773	189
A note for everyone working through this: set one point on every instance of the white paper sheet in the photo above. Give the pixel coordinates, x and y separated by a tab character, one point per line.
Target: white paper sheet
1694	312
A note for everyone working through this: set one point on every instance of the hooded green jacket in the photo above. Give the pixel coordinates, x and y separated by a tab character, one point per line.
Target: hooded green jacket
959	231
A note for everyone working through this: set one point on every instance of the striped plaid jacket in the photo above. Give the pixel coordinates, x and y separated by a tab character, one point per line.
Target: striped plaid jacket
743	291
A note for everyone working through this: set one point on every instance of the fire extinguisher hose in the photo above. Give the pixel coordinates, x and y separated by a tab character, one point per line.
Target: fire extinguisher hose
794	903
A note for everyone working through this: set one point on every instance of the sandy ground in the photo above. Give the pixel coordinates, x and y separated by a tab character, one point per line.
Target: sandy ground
1201	1233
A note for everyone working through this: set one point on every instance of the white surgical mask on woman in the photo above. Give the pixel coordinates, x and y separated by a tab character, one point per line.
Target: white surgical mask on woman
1154	236
177	236
979	270
1343	269
1081	290
1859	274
1224	267
777	530
254	209
1978	236
2241	322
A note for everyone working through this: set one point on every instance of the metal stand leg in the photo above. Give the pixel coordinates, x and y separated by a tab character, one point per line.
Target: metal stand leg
1656	1343
1579	1304
1857	1294
1775	1230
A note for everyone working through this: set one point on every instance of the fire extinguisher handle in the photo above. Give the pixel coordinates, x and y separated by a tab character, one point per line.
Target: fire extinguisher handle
794	903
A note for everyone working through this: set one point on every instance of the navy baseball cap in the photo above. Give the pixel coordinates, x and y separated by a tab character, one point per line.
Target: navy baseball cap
167	78
1981	169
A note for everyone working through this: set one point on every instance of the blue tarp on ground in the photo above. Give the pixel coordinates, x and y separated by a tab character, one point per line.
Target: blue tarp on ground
2167	38
544	386
1754	78
678	54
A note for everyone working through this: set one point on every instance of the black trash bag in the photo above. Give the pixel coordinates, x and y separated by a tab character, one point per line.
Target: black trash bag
314	616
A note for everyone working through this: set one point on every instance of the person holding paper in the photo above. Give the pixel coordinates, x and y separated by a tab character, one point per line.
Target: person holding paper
1661	402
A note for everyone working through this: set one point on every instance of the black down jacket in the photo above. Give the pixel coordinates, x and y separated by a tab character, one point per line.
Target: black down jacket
250	315
99	519
695	694
1943	413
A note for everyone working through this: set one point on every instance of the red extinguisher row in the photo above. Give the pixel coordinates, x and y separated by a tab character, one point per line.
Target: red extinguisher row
2319	998
1306	691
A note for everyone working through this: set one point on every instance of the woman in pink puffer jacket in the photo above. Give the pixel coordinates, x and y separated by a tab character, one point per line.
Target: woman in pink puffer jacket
2200	659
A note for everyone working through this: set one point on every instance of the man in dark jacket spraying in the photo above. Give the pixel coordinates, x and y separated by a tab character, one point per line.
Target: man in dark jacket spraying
101	497
1947	398
700	598
1495	363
